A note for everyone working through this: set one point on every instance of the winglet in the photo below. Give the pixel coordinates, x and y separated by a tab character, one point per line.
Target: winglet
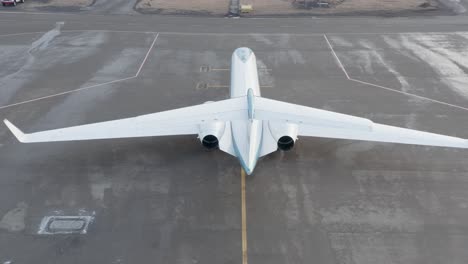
18	133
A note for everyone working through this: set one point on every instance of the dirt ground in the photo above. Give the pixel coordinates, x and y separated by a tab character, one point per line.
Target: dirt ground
215	7
386	4
264	7
279	7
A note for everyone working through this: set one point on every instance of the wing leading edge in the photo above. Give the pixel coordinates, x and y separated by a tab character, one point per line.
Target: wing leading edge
185	121
320	123
182	121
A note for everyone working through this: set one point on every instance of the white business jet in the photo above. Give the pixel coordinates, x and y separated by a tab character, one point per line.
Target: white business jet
247	125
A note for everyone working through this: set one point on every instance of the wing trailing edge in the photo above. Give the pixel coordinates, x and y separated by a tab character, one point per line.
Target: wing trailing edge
326	124
181	121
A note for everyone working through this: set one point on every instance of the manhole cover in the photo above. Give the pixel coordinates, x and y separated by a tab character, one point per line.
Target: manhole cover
51	225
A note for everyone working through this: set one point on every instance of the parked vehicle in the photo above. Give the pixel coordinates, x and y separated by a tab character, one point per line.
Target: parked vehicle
11	2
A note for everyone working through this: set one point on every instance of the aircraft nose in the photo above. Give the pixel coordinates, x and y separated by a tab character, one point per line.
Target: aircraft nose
243	53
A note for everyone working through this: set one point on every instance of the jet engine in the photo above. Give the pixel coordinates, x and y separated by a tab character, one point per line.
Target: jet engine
210	133
284	133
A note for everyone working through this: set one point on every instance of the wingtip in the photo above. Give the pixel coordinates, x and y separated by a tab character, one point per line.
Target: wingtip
16	131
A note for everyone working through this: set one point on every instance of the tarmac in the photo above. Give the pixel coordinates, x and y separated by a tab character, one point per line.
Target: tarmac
168	200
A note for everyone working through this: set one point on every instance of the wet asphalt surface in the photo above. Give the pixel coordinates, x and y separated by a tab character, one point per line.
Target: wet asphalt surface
167	200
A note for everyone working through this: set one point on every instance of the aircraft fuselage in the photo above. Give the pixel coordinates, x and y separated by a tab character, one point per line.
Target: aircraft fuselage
246	135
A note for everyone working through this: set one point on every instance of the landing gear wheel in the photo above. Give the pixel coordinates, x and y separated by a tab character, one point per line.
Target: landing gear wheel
14	3
21	1
3	4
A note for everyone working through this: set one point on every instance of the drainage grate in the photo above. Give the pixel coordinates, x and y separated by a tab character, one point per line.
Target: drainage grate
51	225
205	68
202	86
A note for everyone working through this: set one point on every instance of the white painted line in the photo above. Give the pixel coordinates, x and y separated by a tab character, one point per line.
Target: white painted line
241	34
111	31
298	34
295	34
25	33
26	21
147	54
33	13
410	94
336	57
387	88
88	87
81	30
67	92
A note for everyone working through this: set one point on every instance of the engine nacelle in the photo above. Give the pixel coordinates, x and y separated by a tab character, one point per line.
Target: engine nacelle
210	133
284	133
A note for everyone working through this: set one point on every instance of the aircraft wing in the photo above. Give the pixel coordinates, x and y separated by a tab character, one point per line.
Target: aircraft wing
182	121
320	123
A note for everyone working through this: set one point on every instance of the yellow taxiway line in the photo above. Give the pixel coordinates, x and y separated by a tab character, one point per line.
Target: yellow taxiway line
244	219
